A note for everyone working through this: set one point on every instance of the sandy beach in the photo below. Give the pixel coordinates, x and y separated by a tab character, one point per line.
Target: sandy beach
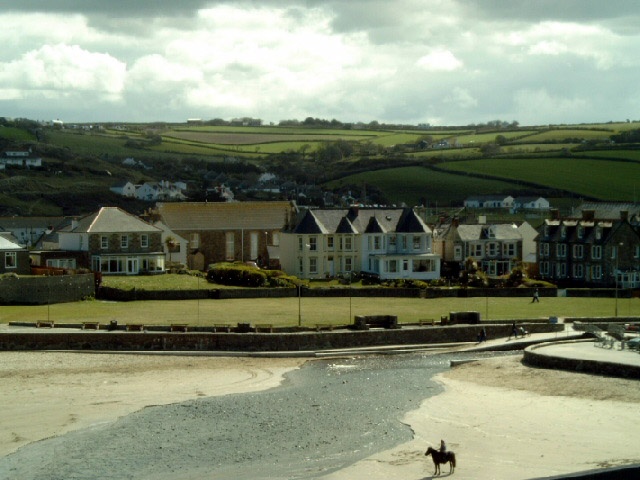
503	420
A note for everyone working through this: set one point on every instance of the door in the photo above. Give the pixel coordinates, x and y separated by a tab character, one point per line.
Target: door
132	266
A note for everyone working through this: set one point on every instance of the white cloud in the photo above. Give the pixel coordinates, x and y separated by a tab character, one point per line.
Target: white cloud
64	68
557	109
441	60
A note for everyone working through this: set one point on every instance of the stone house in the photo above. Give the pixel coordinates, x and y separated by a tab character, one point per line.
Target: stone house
114	242
588	251
227	231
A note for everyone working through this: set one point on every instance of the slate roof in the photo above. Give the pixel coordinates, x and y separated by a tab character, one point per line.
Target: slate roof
480	232
110	220
198	216
361	220
608	210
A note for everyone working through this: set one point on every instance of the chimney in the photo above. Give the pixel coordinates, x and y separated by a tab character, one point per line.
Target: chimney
555	213
588	215
455	221
624	215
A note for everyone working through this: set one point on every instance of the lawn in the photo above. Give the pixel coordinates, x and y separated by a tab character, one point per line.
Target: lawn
285	311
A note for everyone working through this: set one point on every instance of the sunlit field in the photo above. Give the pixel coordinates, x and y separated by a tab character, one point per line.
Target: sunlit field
312	311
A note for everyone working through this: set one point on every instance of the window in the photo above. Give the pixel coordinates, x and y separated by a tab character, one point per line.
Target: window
124	241
194	240
229	246
392	266
275	238
377	242
598	232
596	252
403	239
492	249
578	271
636	253
544	268
10	259
596	272
417	242
580	231
475	250
405	265
104	242
392	242
509	250
144	241
578	251
561	250
300	243
457	252
348	264
544	249
561	269
300	265
330	243
347	243
313	244
563	231
253	245
422	265
313	265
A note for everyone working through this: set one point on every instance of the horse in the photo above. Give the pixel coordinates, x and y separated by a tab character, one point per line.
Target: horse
442	457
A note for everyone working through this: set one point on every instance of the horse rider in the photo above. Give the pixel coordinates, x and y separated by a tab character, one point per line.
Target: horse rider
443	447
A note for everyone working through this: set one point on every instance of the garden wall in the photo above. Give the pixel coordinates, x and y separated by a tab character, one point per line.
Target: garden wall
43	290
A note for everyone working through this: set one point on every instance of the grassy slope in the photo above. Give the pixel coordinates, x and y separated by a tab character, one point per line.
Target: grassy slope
410	184
595	178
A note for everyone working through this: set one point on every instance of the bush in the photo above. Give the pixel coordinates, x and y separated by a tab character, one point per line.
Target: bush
240	275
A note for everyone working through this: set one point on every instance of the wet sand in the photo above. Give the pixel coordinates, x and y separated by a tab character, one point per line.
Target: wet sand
503	420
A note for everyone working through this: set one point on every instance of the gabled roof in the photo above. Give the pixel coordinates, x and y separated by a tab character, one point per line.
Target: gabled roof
363	220
6	244
608	210
198	216
110	220
309	224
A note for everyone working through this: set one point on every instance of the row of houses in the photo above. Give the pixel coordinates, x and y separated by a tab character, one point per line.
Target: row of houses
507	202
152	191
392	243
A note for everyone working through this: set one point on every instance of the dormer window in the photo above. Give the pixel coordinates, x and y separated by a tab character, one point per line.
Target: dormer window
598	232
580	231
563	231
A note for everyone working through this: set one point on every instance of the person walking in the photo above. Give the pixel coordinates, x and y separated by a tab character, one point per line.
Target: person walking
514	331
536	296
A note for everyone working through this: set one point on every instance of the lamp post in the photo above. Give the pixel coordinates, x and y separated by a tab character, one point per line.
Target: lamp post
350	295
616	275
304	249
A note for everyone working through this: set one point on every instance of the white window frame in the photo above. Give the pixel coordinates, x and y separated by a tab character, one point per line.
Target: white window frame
561	250
104	242
10	260
596	252
578	251
124	241
144	240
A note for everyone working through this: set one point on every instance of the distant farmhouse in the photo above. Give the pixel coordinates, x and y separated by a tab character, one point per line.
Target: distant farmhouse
19	159
152	191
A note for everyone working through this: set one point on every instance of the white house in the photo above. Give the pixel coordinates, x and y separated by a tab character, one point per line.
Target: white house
393	243
124	188
531	203
489	201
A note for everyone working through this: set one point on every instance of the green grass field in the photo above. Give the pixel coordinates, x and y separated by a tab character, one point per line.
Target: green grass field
410	184
593	178
337	311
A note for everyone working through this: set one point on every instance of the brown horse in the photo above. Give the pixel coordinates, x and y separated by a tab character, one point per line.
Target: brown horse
442	457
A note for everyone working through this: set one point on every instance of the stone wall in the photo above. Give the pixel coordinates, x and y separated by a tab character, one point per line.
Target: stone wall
251	342
42	290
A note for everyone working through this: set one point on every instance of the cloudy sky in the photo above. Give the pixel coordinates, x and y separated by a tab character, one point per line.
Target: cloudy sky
442	62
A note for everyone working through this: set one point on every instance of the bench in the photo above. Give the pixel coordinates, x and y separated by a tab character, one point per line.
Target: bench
364	322
134	327
427	321
44	323
265	327
221	327
179	327
323	326
91	325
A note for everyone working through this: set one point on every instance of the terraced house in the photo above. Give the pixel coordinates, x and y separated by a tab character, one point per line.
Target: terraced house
393	243
590	251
